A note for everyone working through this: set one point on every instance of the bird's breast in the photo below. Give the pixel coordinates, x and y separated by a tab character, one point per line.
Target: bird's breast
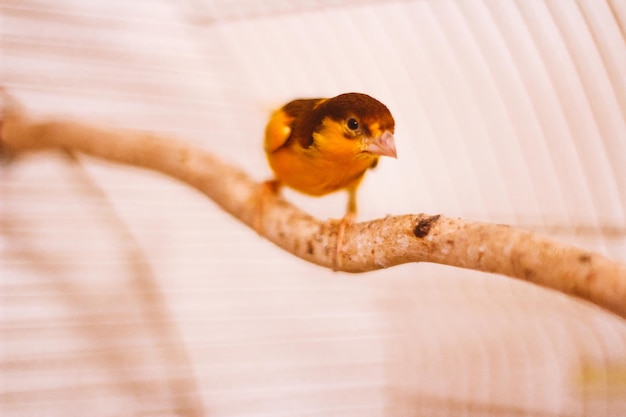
311	173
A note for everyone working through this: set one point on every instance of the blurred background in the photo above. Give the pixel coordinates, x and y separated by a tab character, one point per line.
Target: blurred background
123	292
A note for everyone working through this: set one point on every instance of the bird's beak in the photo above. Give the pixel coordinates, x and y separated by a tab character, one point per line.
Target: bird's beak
383	145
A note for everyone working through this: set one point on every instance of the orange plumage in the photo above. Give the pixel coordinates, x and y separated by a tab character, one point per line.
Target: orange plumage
318	146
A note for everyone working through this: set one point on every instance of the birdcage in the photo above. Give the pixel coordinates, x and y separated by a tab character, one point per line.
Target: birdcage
124	291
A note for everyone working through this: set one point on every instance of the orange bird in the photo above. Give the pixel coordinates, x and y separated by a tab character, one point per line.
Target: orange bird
318	146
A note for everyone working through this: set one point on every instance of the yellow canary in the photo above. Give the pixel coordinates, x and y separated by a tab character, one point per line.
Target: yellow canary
318	146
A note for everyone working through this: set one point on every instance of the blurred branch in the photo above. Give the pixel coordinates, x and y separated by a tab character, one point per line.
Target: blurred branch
367	246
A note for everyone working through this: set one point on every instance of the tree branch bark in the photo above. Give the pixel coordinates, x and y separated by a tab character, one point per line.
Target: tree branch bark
367	246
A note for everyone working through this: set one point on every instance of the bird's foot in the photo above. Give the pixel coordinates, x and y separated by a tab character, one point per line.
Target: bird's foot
265	189
342	224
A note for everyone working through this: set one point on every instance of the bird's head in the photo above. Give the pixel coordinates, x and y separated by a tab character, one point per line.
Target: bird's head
355	125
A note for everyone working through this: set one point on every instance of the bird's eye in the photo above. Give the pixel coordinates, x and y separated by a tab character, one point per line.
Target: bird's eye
353	124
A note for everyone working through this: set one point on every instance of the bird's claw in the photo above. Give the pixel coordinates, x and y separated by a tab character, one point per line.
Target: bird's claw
265	189
342	224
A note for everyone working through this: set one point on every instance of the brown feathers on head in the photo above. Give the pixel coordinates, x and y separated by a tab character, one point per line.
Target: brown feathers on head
366	109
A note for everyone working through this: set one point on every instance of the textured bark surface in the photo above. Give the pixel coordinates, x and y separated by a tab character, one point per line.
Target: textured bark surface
367	246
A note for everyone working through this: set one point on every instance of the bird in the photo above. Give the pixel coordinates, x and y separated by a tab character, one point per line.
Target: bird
321	145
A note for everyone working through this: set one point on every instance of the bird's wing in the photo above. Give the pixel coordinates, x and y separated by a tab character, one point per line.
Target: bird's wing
297	117
277	130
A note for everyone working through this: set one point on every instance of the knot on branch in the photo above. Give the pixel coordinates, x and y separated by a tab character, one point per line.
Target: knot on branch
422	228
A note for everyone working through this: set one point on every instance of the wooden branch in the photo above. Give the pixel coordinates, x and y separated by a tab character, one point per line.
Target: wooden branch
367	246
